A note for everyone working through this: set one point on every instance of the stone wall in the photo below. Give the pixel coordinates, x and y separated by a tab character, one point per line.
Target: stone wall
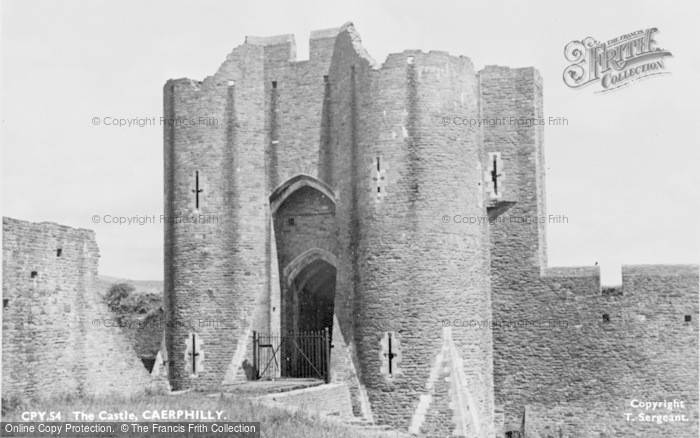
58	336
558	340
296	109
612	418
598	353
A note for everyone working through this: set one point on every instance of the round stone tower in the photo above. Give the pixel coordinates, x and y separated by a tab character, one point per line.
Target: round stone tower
216	219
411	273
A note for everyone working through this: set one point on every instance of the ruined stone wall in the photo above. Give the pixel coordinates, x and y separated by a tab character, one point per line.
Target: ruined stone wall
597	353
558	341
58	336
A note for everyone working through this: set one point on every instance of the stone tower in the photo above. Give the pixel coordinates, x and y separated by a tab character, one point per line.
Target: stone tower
324	193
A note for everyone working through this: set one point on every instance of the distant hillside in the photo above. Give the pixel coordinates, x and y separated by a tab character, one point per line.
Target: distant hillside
104	282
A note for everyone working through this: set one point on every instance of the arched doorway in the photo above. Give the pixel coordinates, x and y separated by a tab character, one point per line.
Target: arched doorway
303	211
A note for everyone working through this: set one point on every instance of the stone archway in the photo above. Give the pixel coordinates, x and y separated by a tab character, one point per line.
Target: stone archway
303	211
286	189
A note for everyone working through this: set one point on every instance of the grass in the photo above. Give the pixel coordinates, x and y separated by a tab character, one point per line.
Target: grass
274	422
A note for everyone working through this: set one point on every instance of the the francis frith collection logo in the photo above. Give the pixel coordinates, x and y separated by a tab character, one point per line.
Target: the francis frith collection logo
615	63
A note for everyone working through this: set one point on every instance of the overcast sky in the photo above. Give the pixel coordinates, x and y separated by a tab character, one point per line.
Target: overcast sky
624	171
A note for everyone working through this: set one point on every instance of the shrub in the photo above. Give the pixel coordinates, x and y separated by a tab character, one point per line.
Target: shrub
117	293
123	298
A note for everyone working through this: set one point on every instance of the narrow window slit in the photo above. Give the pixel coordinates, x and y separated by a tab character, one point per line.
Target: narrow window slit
196	189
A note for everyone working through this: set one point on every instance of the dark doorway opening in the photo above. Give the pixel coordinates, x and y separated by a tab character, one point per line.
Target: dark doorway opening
310	299
307	316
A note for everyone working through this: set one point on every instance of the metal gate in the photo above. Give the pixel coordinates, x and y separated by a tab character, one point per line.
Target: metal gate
304	354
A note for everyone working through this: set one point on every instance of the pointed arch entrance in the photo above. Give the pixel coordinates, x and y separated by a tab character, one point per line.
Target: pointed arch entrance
303	212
